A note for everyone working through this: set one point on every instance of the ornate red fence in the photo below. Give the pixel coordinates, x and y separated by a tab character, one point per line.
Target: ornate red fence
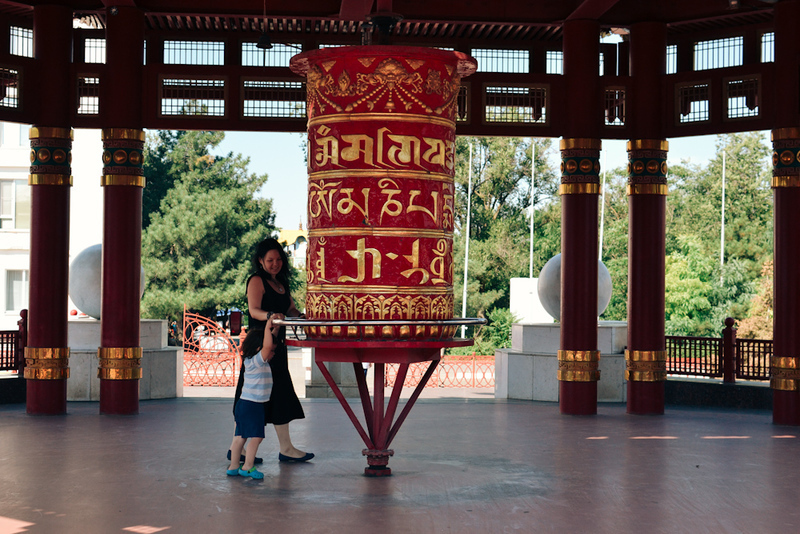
8	350
452	372
12	345
745	359
210	356
752	358
694	356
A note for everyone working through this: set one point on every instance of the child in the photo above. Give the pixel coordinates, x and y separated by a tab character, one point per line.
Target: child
257	350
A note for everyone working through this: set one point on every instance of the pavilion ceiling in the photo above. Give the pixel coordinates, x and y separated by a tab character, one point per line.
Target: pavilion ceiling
483	21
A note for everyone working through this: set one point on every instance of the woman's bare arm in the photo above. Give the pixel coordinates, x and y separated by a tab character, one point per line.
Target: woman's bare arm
255	292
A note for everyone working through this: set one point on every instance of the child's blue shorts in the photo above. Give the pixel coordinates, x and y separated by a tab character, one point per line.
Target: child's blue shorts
249	417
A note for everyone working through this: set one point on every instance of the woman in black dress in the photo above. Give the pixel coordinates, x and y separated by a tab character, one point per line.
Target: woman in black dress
268	296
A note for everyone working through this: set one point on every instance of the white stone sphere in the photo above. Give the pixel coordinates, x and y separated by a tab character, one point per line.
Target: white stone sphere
85	281
550	287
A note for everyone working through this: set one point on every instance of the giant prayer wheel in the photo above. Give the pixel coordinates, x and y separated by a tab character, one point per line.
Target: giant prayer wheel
381	161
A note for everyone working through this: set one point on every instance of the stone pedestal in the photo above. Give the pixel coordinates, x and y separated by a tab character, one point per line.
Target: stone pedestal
342	373
528	370
298	356
162	365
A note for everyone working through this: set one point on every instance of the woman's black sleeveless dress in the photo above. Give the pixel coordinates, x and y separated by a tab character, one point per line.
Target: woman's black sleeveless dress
283	405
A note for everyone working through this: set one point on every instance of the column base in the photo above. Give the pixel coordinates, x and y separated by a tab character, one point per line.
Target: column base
577	398
119	397
785	407
645	398
46	397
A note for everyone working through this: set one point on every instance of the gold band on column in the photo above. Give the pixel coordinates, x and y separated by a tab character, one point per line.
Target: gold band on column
582	143
49	132
784	373
46	363
779	134
646	365
578	365
792	180
579	188
120	363
648	144
647	189
122	179
133	134
50	179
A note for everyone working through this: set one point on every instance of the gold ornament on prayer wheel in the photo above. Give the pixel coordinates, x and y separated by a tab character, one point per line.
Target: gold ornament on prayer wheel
381	161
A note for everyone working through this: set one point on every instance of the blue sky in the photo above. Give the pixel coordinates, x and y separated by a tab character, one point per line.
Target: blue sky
280	156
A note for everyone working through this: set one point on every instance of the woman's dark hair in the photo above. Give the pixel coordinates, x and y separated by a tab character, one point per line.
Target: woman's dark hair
261	251
252	343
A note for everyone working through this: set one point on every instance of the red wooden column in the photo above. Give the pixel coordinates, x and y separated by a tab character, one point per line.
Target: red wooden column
580	185
47	354
123	179
645	357
785	363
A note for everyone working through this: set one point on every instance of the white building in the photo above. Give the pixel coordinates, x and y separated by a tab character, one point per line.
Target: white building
15	222
86	210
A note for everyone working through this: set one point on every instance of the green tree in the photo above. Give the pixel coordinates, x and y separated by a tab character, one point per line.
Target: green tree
758	323
499	221
615	242
196	249
697	202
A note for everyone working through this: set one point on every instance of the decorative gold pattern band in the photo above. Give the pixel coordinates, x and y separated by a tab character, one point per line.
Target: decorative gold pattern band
123	133
39	353
120	363
647	189
46	363
46	132
119	374
46	374
50	179
792	180
785	133
646	355
381	232
579	355
367	289
122	179
579	189
648	144
119	353
371	173
381	118
645	365
784	373
581	143
578	365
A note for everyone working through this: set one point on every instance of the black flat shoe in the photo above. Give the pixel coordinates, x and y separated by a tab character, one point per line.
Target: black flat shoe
241	458
289	459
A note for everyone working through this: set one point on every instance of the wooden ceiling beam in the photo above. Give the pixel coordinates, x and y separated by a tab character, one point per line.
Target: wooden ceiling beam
592	9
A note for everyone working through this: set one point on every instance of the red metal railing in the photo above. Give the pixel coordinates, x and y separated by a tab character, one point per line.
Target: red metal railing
210	356
8	350
452	372
694	356
12	346
727	357
752	358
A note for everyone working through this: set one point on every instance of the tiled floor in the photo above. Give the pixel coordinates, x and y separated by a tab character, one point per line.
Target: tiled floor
460	466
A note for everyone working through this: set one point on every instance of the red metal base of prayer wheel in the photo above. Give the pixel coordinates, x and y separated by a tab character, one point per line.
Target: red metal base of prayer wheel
380	426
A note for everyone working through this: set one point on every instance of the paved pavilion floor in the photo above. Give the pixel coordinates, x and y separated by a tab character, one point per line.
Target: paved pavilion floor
461	465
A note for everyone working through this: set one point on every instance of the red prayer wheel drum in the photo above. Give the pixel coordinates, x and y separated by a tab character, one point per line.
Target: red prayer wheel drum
381	161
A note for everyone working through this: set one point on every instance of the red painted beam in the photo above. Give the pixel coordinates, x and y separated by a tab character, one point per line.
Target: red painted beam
355	9
592	9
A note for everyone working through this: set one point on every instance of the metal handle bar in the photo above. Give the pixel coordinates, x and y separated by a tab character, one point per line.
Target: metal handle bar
296	321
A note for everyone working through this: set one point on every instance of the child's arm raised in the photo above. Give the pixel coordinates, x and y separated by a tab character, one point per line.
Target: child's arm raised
268	346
